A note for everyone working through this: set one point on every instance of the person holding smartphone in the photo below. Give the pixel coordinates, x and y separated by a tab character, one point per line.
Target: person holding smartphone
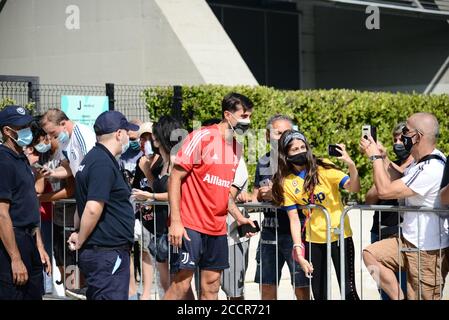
387	224
275	239
301	178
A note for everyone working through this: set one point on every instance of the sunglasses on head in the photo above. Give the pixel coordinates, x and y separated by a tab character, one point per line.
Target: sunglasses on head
406	130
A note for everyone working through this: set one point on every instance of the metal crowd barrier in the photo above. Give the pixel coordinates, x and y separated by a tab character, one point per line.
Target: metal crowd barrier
386	209
259	208
65	268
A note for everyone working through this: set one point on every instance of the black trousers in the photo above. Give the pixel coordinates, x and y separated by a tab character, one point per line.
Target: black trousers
319	279
34	288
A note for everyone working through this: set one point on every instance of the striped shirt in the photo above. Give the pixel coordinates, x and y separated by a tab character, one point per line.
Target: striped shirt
83	139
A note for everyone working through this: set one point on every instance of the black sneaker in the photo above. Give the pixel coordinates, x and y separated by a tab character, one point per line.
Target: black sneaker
78	294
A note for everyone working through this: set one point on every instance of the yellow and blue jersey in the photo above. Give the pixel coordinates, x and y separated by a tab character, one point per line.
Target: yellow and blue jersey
326	194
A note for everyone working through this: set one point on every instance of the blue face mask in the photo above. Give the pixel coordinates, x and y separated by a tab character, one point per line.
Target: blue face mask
42	147
135	145
63	137
24	137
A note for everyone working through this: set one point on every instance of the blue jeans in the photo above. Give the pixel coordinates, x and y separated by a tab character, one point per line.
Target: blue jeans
403	274
267	249
106	272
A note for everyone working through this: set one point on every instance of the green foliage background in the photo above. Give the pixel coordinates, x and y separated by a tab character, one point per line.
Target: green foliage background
325	116
9	101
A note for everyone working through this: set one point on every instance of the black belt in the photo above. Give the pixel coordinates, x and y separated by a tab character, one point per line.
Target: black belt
102	248
28	230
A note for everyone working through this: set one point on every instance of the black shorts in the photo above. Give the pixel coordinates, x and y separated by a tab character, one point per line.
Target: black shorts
60	244
158	246
203	251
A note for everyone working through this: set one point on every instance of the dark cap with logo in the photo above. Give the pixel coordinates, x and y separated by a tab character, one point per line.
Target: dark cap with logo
111	121
12	115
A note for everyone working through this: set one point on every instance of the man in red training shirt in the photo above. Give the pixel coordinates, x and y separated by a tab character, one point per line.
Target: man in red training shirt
199	200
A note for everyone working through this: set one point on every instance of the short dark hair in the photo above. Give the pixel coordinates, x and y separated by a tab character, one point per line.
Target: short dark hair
233	100
210	122
37	130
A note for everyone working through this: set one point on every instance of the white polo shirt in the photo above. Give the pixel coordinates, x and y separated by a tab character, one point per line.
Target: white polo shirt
425	179
83	139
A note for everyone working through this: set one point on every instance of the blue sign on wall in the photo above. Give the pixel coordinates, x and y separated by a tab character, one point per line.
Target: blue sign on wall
84	109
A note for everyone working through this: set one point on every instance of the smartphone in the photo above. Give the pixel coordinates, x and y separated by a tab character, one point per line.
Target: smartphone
368	130
245	228
38	166
334	150
265	183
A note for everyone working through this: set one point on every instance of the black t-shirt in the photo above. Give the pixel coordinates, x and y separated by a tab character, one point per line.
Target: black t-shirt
17	187
99	178
264	171
388	219
160	185
140	181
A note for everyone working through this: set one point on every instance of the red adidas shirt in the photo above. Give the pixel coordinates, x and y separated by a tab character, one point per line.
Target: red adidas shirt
211	163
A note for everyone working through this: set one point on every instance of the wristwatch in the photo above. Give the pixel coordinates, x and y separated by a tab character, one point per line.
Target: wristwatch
375	157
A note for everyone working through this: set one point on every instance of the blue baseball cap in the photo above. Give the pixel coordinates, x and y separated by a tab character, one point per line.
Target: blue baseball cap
15	116
111	121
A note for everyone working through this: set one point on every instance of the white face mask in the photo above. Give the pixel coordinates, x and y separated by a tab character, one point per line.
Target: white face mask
147	148
125	146
242	125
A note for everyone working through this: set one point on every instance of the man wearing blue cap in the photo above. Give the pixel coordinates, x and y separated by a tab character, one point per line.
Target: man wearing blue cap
107	218
22	252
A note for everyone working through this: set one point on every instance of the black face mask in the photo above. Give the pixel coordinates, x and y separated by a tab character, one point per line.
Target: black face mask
300	159
243	127
408	143
400	151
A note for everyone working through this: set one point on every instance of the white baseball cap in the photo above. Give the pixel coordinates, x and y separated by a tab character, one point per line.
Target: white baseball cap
145	127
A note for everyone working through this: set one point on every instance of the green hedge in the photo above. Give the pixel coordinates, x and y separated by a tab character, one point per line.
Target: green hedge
9	101
325	116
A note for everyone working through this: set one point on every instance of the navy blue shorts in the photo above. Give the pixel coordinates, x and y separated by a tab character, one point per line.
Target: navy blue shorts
106	273
34	288
203	251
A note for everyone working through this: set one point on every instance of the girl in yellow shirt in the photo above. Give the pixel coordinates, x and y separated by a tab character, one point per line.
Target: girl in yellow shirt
302	178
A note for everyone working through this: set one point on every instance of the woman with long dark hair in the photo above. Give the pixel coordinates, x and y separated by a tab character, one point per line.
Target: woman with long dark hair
165	140
301	179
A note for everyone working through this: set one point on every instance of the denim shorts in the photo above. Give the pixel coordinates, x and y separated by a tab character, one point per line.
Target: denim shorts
266	259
